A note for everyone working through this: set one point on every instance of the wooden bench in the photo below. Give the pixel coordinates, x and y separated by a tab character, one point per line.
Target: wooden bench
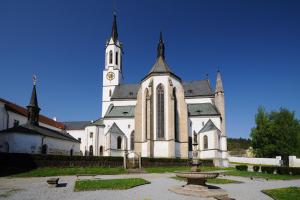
52	182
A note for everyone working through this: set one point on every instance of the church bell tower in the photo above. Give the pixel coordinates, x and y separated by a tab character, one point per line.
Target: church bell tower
112	73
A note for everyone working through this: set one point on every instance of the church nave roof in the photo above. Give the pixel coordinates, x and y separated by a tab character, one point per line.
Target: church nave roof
202	109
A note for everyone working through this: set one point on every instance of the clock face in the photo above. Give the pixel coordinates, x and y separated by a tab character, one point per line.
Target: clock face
110	76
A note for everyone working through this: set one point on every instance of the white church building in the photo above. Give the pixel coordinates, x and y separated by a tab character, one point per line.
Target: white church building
162	116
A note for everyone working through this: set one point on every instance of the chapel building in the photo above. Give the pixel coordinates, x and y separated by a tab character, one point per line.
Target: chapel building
162	116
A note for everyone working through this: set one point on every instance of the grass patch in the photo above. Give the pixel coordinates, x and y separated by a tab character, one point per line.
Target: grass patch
109	184
181	168
211	181
284	193
235	172
167	169
57	171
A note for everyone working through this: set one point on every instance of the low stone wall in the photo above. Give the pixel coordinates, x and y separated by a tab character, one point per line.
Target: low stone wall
294	161
256	161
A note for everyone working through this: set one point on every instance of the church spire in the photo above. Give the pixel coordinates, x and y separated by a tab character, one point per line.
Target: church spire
161	47
114	31
219	85
33	107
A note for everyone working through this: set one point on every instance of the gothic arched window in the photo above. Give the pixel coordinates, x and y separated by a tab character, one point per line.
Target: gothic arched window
110	57
160	112
146	112
176	123
119	142
205	142
109	93
132	141
117	58
91	153
195	138
101	150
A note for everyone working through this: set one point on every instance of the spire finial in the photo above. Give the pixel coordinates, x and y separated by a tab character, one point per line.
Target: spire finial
161	47
34	79
114	31
219	85
33	107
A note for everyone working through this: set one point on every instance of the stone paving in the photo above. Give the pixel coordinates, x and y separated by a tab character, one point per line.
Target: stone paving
37	189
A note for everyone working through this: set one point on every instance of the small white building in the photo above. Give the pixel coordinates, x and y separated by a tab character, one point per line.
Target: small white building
161	116
29	136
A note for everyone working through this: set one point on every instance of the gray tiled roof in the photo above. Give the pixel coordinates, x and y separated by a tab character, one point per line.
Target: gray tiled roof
120	111
191	89
98	122
126	91
76	125
209	126
115	129
40	130
160	66
197	88
202	109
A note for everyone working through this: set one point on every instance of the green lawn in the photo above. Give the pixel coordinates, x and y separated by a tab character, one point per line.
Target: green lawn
166	169
180	168
290	193
59	171
211	181
235	172
109	184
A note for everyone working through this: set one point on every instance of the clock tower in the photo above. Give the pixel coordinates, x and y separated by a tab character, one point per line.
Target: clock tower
112	73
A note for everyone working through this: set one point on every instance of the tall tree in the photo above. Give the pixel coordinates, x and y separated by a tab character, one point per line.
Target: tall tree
276	134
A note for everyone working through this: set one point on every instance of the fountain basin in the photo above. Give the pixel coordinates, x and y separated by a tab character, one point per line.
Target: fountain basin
196	185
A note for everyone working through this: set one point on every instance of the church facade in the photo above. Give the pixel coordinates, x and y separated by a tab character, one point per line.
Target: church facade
162	116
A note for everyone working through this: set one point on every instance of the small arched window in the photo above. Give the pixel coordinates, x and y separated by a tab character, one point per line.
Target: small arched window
109	93
6	147
110	57
160	111
132	141
71	152
117	58
205	142
119	142
91	153
101	150
195	138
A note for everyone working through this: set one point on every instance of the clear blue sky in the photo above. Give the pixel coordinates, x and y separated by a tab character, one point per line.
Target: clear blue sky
255	44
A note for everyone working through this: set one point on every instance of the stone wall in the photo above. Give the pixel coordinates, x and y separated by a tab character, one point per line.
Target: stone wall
294	161
256	161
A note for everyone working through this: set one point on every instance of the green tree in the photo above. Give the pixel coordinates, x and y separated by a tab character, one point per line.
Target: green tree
276	134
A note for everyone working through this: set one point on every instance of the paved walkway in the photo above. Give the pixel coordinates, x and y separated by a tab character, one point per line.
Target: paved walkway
37	189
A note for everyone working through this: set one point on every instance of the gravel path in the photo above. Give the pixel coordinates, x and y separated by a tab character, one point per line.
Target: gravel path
37	189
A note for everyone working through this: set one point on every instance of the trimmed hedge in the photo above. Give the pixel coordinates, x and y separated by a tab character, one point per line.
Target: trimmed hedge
268	169
256	168
288	170
295	170
242	167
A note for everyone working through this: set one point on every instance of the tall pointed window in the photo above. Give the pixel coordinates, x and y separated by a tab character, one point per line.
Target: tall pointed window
176	123
91	153
160	112
117	58
205	142
119	142
132	141
110	57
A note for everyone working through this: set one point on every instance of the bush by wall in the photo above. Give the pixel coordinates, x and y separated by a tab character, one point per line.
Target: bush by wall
268	169
242	167
295	170
256	168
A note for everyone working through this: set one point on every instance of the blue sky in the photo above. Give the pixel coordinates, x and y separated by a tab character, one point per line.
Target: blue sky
255	44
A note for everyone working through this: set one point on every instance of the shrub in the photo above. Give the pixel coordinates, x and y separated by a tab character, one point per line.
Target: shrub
283	170
242	167
268	169
256	168
295	170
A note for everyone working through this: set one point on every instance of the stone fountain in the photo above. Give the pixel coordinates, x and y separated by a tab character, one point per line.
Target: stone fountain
196	181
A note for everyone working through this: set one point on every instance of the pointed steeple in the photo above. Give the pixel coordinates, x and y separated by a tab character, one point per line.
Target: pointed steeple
161	47
219	85
114	31
33	109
